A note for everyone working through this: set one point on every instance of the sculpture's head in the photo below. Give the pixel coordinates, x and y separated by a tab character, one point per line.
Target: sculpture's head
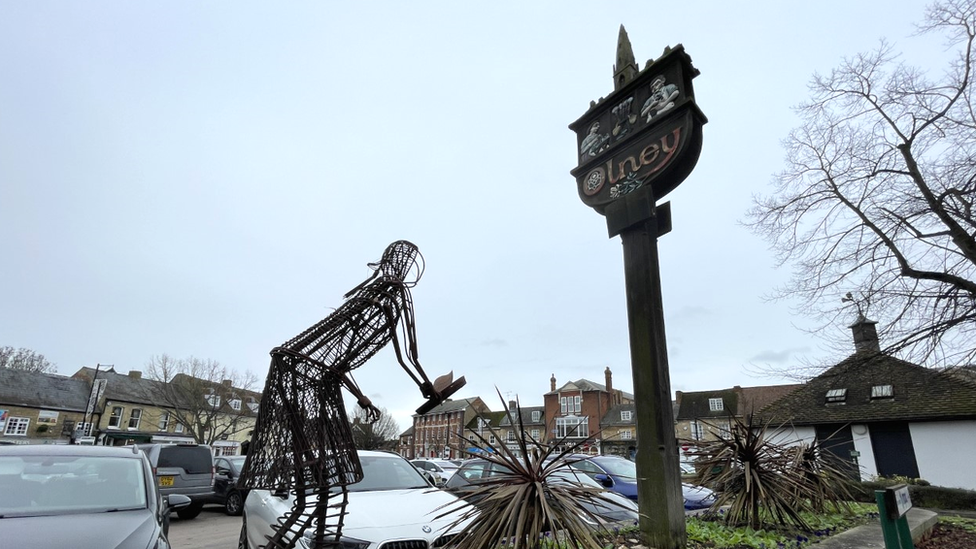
402	261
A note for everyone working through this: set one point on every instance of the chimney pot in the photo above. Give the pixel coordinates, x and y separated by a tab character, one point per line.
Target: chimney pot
609	377
552	383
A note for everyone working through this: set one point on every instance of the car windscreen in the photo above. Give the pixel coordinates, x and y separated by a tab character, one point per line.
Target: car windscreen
46	485
388	473
618	467
192	459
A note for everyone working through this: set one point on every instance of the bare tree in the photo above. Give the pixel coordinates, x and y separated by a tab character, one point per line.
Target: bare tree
376	435
875	207
25	359
211	401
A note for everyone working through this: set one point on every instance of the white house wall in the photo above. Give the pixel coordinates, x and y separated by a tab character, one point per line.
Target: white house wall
862	443
792	435
944	451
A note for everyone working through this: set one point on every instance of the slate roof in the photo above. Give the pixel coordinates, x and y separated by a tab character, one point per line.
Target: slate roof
612	417
918	394
526	416
586	385
123	387
408	432
38	390
494	418
451	406
695	405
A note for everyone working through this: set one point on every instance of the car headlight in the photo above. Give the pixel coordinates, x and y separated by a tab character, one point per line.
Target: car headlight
307	541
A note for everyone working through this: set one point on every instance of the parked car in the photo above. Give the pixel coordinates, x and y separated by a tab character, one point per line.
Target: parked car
440	469
474	472
83	497
226	492
186	469
620	475
393	502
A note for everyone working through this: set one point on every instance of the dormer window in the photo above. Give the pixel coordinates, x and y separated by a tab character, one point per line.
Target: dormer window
716	404
882	391
536	416
252	404
235	403
625	415
836	396
213	399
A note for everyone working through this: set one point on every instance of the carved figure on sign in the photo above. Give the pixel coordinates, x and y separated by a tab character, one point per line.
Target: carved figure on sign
661	99
302	442
594	143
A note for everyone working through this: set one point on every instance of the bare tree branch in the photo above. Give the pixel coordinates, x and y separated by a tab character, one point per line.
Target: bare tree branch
878	193
25	359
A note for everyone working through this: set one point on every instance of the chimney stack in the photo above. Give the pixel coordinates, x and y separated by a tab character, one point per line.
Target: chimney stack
512	405
552	383
865	335
608	375
135	374
227	383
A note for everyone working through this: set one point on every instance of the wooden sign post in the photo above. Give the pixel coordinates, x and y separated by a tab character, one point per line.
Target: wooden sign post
634	147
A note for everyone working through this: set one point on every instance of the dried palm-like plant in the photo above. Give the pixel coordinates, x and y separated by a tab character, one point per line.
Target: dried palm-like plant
530	503
759	479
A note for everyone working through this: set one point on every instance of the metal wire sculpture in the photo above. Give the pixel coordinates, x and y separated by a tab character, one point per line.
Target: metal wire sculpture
302	442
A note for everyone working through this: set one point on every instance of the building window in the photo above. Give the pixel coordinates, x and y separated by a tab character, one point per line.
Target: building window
510	436
536	416
572	427
235	403
625	415
562	405
178	428
836	396
252	404
213	399
697	431
578	400
17	426
882	391
535	434
163	422
83	429
626	434
716	404
134	419
115	420
491	439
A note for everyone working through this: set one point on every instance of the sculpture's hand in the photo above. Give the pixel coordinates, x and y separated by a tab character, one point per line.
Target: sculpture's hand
372	412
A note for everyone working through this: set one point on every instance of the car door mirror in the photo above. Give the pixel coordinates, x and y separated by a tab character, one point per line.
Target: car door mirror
605	480
176	501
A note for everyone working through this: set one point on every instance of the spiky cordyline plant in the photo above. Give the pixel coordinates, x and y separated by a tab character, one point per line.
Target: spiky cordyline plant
758	478
523	509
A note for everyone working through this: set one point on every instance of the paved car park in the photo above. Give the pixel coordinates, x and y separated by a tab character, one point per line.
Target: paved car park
212	529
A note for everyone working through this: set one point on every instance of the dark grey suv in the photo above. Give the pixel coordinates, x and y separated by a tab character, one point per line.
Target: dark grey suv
186	469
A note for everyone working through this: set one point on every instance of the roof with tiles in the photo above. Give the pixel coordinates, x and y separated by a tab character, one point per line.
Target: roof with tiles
39	390
451	406
692	406
614	418
526	414
917	393
123	387
586	385
753	399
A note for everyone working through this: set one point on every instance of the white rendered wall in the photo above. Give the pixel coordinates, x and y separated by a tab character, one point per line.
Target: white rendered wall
862	443
946	452
792	435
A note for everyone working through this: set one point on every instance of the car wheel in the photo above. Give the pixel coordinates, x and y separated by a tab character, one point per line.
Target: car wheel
190	511
234	504
242	541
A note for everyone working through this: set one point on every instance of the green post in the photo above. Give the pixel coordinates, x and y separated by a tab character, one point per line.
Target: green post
897	534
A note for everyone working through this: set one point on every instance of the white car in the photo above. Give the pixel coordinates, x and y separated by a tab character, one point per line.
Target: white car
393	502
441	469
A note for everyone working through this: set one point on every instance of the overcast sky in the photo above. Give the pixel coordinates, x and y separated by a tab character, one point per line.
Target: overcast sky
209	178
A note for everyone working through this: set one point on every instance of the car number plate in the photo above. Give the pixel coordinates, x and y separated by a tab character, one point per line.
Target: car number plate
165	481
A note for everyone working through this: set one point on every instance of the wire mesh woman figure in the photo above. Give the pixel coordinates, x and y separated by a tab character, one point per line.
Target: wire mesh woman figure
302	441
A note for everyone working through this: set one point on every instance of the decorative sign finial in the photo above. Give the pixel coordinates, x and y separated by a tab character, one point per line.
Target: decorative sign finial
625	69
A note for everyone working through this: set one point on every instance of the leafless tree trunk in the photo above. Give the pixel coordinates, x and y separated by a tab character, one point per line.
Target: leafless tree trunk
875	207
211	401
